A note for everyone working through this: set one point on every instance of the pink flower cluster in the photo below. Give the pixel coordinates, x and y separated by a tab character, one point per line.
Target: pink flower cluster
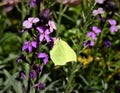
113	26
39	29
98	11
92	36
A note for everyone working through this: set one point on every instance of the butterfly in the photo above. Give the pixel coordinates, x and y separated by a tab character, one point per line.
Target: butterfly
62	53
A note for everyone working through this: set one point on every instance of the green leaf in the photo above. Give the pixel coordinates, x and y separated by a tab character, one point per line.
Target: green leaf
10	57
62	53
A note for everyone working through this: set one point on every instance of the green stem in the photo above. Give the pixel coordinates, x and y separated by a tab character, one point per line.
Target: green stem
74	67
22	11
70	85
70	79
59	20
61	11
29	80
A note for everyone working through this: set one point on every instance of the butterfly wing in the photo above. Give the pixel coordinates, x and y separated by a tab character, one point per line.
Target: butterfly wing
62	53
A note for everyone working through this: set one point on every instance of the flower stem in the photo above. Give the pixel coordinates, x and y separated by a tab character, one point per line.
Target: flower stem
29	80
61	11
32	62
70	79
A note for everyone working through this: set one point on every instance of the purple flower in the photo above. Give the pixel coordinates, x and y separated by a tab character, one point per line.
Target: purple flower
107	43
37	67
9	4
95	12
46	13
113	27
40	85
43	56
29	46
63	1
44	34
52	25
52	42
22	74
32	3
112	22
22	30
33	74
99	1
96	30
69	2
28	23
22	57
98	11
92	35
89	43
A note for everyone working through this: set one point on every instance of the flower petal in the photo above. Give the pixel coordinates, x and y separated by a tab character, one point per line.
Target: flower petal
99	1
95	12
42	55
47	31
47	37
33	74
35	20
30	49
22	30
34	44
107	43
27	24
113	29
32	3
41	37
112	22
30	19
100	10
40	29
91	43
51	29
27	42
24	47
92	35
52	24
45	60
22	74
41	86
96	30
